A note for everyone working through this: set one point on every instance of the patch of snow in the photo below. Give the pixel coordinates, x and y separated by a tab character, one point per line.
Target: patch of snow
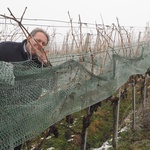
51	148
123	129
70	140
49	137
105	146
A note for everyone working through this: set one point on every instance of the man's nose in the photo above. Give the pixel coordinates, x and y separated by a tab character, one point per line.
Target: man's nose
41	44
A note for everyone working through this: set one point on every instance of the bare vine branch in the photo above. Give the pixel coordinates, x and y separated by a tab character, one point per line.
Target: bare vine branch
25	31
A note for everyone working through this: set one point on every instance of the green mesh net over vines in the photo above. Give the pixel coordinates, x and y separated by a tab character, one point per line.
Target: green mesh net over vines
32	99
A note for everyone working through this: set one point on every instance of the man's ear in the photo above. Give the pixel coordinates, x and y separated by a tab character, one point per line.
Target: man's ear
28	38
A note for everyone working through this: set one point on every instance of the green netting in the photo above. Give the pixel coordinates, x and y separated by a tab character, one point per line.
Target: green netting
32	98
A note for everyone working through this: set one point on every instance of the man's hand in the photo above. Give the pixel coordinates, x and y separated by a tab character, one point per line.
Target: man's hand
42	56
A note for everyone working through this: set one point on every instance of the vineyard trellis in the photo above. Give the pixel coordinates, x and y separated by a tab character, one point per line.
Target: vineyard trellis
87	69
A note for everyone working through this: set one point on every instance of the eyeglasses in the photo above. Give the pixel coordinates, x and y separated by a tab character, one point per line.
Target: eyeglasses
40	41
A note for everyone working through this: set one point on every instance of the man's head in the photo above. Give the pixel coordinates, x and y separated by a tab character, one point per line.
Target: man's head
37	41
35	31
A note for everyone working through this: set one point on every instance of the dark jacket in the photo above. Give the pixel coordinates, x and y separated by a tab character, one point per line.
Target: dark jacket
13	51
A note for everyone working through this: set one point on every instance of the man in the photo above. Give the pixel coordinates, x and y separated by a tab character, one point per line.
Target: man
31	48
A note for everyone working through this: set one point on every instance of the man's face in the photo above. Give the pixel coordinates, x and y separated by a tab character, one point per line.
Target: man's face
38	42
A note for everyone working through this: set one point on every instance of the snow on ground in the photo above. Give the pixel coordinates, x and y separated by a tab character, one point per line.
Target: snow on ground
105	146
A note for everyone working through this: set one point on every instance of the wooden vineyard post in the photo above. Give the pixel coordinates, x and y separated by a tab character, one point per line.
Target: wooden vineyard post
133	104
144	98
117	122
116	105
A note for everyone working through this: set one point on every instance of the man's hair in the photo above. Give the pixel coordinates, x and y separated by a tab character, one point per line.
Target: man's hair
34	31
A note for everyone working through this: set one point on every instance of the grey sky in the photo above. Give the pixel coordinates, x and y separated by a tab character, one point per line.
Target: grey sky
129	12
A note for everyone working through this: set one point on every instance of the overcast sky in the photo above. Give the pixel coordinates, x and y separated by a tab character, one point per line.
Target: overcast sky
129	12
